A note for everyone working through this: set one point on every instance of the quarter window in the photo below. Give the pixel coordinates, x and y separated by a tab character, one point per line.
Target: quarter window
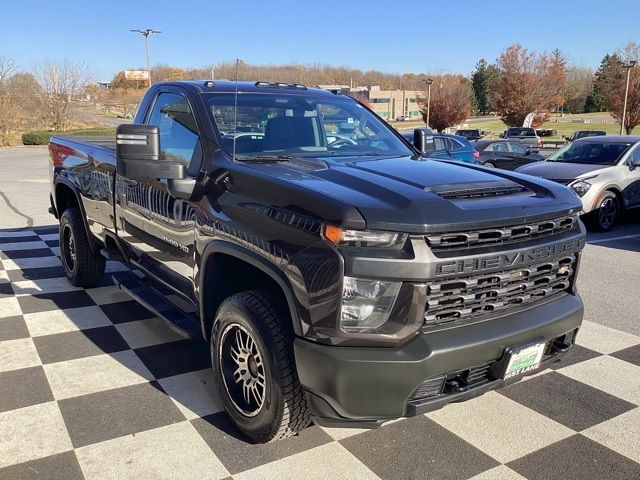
177	124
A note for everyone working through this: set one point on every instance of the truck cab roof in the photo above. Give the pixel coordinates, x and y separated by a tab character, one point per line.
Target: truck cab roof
229	86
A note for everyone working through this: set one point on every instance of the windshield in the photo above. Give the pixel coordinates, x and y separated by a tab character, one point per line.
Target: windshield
590	153
281	124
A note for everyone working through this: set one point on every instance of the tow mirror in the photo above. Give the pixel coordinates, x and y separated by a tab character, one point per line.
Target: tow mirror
419	139
138	154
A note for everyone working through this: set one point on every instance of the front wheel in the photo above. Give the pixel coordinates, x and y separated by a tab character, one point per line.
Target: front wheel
254	367
606	214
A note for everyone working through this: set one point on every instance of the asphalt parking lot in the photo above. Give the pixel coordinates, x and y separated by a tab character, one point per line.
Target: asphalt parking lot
93	386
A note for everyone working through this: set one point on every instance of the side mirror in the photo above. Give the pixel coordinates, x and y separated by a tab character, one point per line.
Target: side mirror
419	139
138	154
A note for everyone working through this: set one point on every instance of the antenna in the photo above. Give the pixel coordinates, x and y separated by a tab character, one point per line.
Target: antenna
235	112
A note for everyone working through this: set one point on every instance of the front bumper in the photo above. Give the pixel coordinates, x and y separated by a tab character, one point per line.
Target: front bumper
362	386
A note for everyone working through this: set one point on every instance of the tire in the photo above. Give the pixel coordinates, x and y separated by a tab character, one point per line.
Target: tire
606	214
82	267
488	165
251	340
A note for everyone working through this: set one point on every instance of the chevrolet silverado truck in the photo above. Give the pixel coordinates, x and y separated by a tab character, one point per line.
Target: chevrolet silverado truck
345	280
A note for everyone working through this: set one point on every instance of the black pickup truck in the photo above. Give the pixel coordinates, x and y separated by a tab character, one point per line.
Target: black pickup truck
339	277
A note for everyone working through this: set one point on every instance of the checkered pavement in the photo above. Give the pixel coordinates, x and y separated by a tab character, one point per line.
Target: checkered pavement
94	386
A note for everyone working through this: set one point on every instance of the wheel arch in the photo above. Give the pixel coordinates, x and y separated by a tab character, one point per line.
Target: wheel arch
66	195
240	270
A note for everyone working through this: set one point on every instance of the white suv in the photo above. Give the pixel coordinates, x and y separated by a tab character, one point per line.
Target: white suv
604	171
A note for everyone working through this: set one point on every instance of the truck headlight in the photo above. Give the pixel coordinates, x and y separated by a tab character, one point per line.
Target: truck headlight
363	238
366	304
580	187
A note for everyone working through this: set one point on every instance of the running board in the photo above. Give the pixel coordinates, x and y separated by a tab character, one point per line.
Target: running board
186	324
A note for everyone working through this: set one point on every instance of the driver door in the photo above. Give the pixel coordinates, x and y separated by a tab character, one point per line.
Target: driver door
158	228
631	181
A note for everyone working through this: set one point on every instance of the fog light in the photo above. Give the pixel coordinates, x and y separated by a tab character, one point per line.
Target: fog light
366	304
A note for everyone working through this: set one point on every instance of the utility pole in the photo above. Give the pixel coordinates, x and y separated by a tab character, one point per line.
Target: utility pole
428	83
146	33
627	67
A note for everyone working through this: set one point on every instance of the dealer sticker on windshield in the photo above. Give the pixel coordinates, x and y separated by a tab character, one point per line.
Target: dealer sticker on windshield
524	360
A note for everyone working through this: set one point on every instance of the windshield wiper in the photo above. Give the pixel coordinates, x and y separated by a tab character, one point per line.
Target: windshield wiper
265	158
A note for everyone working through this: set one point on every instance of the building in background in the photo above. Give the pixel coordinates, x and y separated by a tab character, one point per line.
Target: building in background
388	104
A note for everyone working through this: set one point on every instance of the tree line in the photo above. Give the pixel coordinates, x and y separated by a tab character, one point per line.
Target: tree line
518	82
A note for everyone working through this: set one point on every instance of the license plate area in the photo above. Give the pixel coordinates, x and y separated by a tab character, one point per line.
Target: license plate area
520	359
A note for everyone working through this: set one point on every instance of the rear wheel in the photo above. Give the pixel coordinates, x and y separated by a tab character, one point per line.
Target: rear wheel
81	265
254	367
489	165
606	213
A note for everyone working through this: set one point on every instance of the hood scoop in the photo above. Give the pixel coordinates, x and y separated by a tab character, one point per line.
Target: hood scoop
464	191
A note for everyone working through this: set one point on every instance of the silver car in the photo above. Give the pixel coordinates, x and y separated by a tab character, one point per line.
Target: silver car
603	171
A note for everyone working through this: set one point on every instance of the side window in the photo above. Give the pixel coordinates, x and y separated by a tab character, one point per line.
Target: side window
517	148
500	147
177	124
440	144
454	144
635	156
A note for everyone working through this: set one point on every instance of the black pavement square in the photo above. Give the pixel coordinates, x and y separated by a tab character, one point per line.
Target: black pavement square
46	230
79	344
6	290
577	354
39	273
567	401
52	243
123	312
578	458
45	302
12	328
114	413
22	388
175	358
33	253
417	448
56	467
237	454
631	355
30	238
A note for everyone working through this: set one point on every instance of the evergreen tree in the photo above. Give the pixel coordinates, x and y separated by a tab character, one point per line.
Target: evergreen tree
480	82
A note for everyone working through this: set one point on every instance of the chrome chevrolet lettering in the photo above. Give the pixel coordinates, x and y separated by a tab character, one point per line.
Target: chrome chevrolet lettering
506	260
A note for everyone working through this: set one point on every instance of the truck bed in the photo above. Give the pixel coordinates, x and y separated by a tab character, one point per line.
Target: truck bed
107	142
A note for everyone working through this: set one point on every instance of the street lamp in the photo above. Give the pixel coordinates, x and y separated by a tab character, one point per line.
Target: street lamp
428	82
628	67
145	33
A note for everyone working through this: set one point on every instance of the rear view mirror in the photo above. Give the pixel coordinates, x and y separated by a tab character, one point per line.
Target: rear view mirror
138	154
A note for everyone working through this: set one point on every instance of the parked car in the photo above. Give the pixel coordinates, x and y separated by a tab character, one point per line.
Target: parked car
604	171
347	282
527	136
505	154
585	133
470	134
546	132
445	146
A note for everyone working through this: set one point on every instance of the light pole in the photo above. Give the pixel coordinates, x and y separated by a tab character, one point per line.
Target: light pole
428	83
628	67
145	33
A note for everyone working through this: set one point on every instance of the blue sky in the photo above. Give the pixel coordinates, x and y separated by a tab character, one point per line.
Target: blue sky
395	37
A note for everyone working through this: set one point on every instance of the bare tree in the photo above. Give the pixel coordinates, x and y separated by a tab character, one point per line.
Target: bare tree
62	84
528	82
579	86
451	100
7	67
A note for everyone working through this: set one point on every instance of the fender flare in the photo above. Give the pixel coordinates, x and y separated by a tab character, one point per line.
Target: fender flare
76	191
257	261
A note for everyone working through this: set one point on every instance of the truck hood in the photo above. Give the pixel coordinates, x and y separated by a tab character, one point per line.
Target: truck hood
562	172
413	194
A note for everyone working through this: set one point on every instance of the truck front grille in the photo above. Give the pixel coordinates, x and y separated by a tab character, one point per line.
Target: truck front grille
461	299
500	236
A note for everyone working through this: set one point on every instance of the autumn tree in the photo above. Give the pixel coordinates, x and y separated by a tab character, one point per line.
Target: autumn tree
528	82
61	84
611	83
451	98
19	101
